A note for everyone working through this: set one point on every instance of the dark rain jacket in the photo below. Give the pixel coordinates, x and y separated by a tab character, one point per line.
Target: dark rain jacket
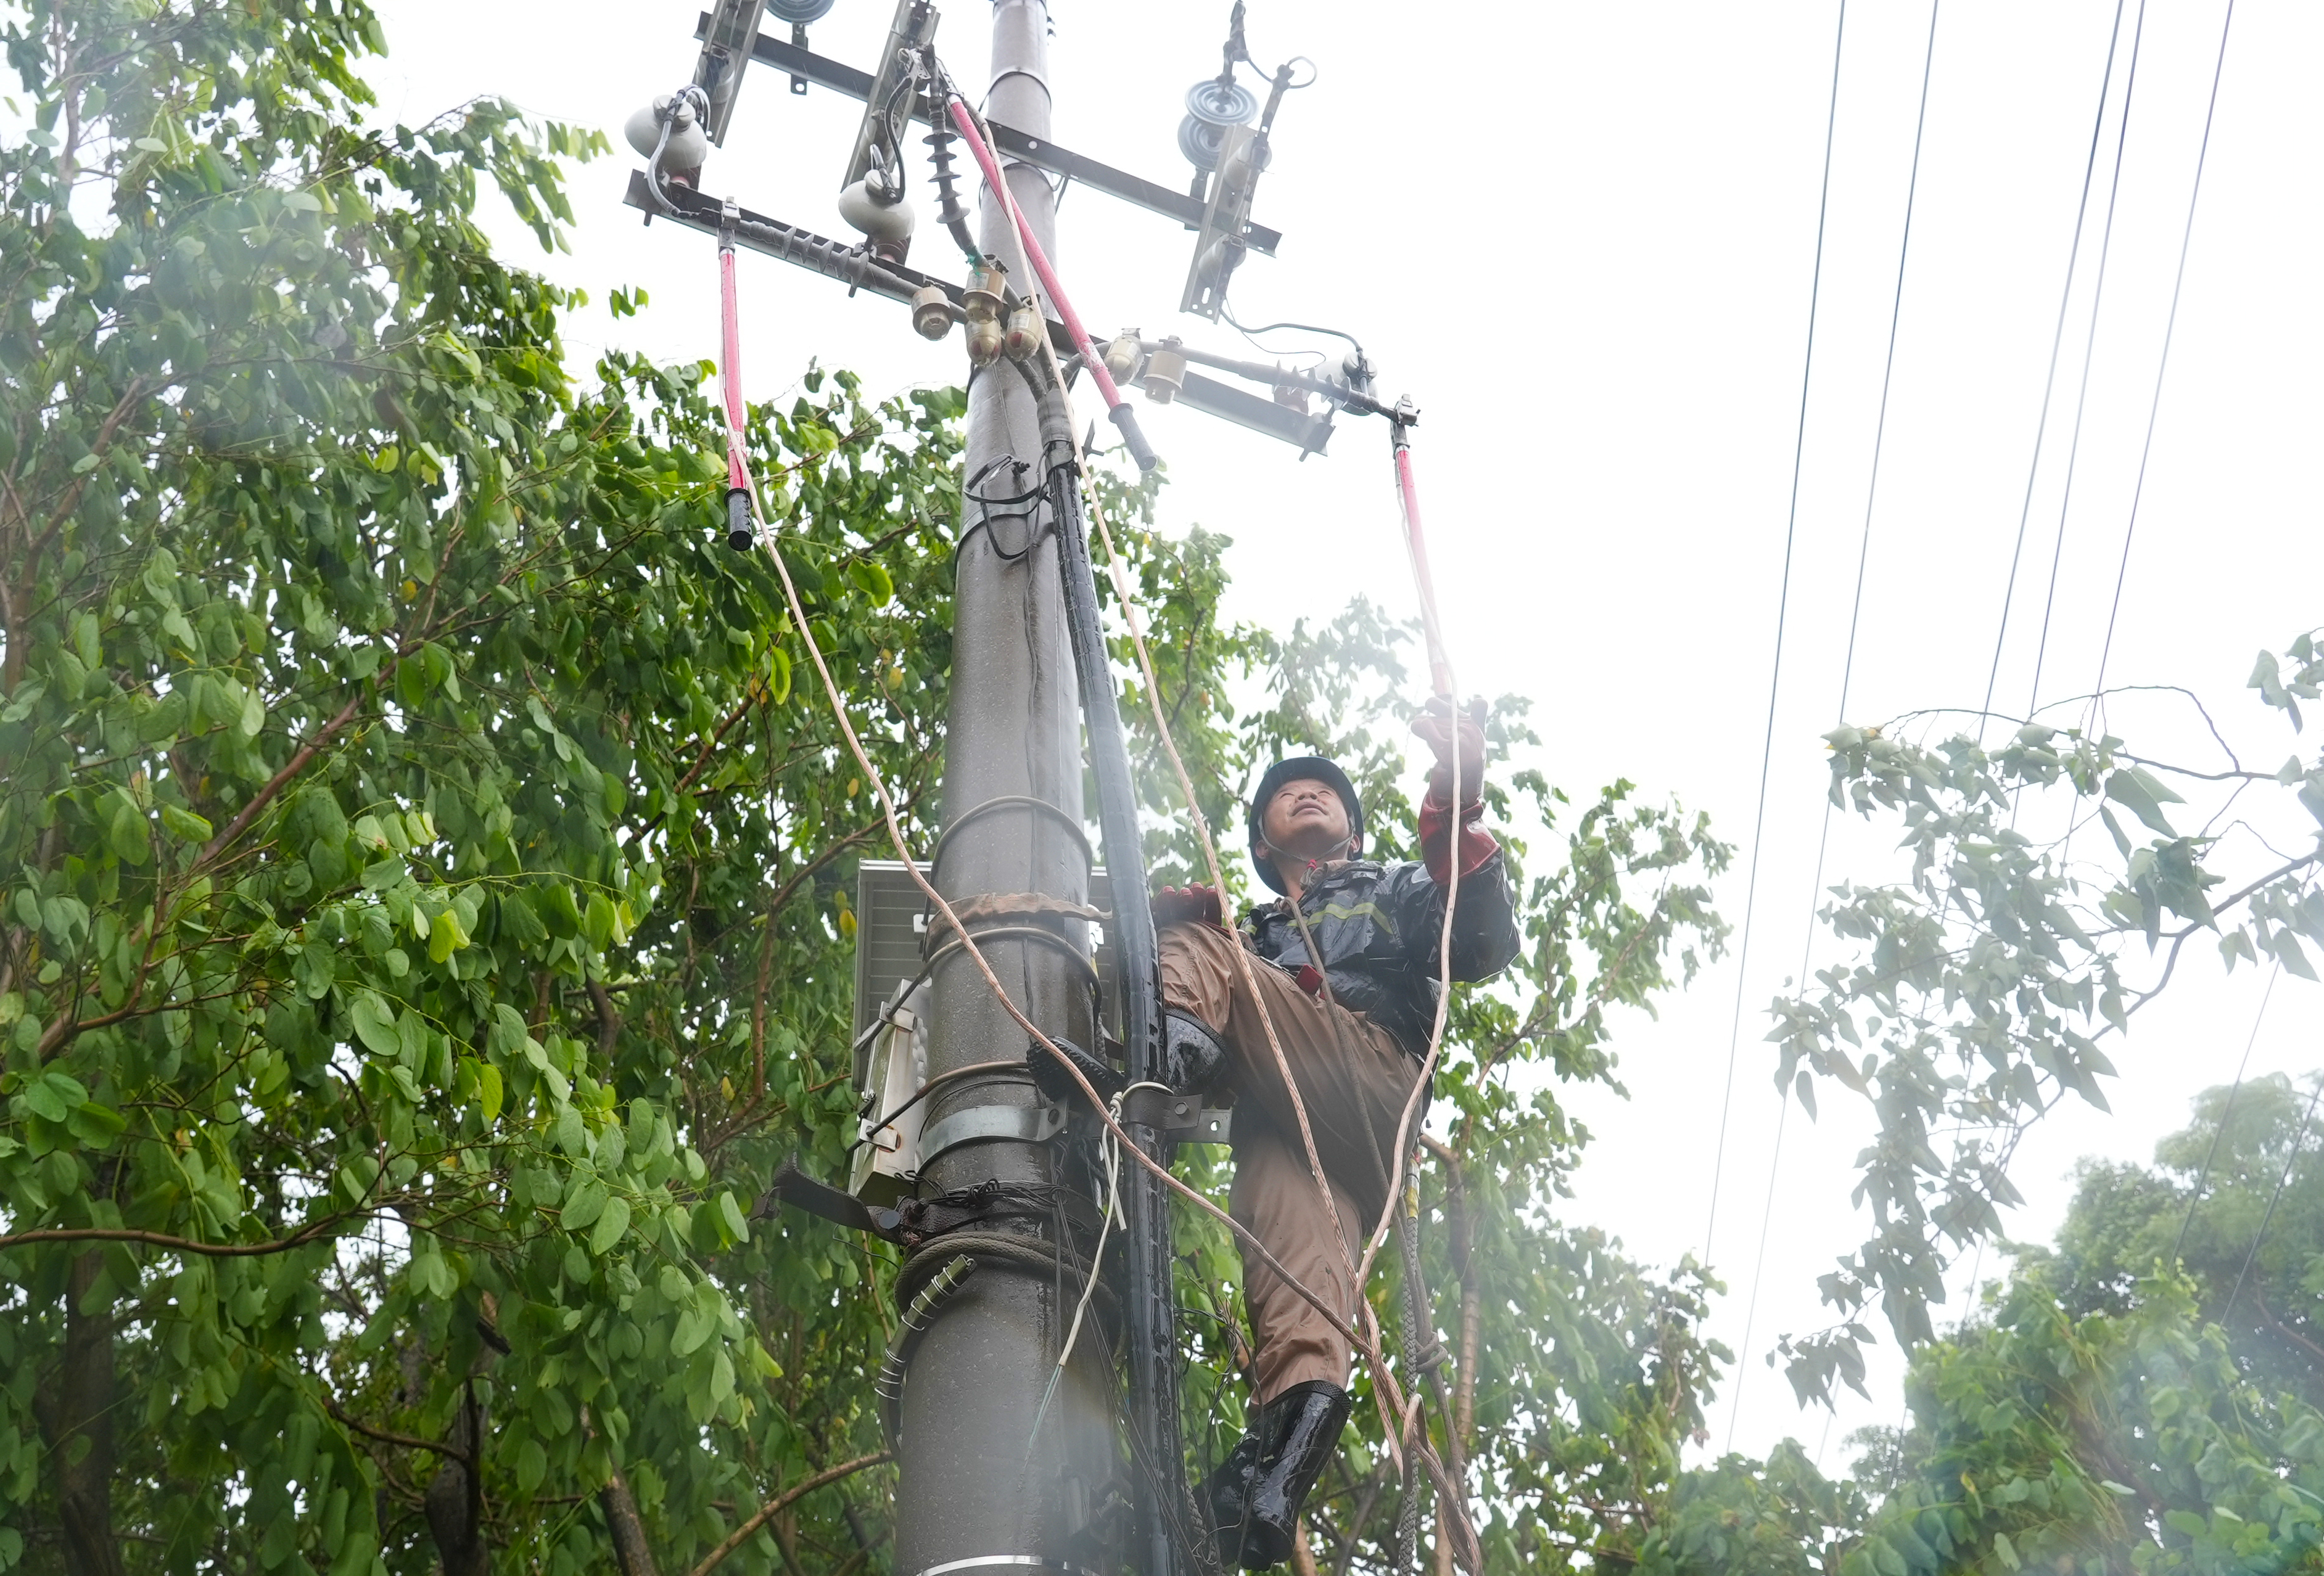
1377	928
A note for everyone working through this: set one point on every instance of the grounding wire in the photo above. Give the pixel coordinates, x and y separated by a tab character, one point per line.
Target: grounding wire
1782	613
2203	1176
1847	676
2171	324
2057	343
2089	350
2299	1136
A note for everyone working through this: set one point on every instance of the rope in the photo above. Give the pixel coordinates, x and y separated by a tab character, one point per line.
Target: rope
1776	677
1387	1393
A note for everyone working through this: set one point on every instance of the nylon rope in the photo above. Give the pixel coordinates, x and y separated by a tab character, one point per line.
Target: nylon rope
1775	678
1847	677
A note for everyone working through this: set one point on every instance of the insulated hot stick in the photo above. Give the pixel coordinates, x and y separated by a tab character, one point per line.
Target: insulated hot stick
738	534
1407	497
1116	407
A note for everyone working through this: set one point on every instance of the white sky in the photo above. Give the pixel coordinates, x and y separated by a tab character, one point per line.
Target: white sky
1580	238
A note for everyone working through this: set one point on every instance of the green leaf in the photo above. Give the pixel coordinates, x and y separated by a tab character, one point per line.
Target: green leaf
610	1224
738	1230
374	1023
184	824
2006	1550
489	1091
584	1201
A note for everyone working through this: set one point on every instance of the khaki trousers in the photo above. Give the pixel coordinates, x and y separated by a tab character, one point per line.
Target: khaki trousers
1353	1080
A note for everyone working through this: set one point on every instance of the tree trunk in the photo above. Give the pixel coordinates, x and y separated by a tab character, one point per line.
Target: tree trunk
1303	1558
630	1550
80	1427
456	1499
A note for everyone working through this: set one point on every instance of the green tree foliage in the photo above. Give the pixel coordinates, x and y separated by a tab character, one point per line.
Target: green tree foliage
1976	993
423	899
2115	1416
407	811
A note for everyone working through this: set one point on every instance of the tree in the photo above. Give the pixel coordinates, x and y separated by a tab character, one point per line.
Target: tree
423	905
2124	1407
1978	991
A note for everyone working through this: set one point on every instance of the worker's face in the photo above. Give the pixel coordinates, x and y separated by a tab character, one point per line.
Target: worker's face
1306	819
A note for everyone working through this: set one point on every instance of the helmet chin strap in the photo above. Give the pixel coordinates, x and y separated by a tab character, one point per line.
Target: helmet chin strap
1342	850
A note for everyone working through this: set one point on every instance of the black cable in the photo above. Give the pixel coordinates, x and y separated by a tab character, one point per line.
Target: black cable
2090	347
1783	614
2299	1138
1847	675
2057	341
2178	283
2203	1176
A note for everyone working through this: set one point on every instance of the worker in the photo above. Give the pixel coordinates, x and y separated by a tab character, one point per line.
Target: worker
1346	962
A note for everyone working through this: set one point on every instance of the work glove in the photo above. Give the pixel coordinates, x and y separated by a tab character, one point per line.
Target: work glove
1187	905
1446	731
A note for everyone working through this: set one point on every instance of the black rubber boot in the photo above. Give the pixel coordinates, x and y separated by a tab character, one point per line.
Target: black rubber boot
1229	1491
1298	1433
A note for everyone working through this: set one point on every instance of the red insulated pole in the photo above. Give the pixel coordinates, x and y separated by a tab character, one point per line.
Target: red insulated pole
1116	407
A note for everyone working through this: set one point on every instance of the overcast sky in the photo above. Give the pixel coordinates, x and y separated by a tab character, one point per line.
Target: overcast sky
1581	238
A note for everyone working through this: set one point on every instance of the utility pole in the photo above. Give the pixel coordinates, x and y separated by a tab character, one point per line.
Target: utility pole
978	1489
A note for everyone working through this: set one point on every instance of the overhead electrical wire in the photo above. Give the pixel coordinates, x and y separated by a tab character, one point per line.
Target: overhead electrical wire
2057	343
2299	1138
1847	677
1775	677
2163	363
2203	1176
2089	350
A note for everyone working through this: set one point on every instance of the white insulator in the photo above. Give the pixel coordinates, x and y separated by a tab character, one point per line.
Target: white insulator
878	221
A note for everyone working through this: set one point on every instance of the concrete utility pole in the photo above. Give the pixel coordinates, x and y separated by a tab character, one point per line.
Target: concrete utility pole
972	1495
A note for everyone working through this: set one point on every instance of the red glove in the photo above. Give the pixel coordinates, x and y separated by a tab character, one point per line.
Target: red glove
1446	731
1186	905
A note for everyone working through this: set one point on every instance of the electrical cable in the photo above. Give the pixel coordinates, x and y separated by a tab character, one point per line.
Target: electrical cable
2203	1176
2299	1136
1847	677
1783	614
2170	326
2057	341
2090	349
1387	1393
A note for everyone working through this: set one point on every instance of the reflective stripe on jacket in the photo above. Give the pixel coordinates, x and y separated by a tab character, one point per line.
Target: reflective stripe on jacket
1376	926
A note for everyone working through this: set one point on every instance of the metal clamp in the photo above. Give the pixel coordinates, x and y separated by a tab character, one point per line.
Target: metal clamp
1024	1124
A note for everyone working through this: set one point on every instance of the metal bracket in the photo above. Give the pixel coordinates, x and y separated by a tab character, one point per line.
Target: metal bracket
803	64
1024	1124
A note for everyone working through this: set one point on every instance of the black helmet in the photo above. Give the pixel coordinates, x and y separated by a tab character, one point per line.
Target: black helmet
1296	769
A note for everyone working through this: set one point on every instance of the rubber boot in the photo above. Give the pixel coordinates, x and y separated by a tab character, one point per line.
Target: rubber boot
1298	1435
1229	1491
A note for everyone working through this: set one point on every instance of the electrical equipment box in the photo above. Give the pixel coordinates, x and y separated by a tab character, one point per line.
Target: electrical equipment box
892	1032
893	1068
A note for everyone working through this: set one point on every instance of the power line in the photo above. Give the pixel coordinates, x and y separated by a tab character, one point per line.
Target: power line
1847	676
2178	284
2089	351
2203	1176
2057	341
1783	611
2299	1138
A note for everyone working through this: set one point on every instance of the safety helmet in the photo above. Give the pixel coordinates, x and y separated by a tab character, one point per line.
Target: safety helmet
1296	769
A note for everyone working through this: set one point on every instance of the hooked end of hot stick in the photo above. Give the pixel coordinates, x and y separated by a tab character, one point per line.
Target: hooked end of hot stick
1139	450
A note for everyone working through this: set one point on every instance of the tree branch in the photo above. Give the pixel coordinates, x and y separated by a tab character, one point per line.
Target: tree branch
775	1506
